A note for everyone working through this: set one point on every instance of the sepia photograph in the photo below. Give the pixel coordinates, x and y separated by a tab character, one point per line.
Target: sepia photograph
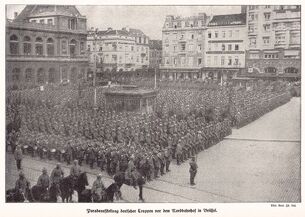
152	103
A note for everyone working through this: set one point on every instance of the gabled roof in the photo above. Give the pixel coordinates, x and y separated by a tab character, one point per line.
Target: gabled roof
31	11
228	20
136	32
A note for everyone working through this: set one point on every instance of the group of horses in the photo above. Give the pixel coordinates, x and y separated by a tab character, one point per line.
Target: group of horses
67	187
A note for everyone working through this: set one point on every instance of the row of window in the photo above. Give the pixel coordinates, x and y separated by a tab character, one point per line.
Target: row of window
273	70
48	21
114	59
42	76
223	61
224	34
182	24
114	47
182	61
271	56
182	47
254	16
224	47
182	36
38	48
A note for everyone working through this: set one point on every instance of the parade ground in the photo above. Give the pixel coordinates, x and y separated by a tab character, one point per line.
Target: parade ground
257	163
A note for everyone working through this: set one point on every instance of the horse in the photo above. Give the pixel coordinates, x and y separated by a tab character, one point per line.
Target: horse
81	183
108	196
120	179
38	194
66	188
15	196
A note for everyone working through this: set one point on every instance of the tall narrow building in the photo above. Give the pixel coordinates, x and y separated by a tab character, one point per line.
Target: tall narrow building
225	47
183	47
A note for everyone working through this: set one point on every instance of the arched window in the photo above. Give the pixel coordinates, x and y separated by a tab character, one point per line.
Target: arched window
28	75
50	47
39	46
14	45
16	75
27	46
291	70
52	75
72	46
41	76
270	70
73	75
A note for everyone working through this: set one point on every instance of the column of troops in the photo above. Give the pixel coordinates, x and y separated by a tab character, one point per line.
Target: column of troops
186	122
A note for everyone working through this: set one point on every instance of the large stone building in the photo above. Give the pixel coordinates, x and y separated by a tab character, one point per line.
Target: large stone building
274	42
118	50
155	53
225	47
46	44
183	46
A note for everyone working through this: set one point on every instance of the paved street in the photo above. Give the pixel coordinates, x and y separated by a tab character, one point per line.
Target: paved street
257	163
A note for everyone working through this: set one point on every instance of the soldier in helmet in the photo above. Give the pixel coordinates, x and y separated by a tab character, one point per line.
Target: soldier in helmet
57	175
193	170
168	158
69	153
22	184
75	170
18	156
179	152
156	164
44	181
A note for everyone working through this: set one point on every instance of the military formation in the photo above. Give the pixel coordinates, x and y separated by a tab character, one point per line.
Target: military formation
185	122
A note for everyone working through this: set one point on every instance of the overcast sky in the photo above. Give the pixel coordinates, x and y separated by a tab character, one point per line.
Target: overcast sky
149	19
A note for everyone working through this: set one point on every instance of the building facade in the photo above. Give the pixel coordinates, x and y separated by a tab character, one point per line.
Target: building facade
46	44
118	50
225	47
155	54
274	42
183	47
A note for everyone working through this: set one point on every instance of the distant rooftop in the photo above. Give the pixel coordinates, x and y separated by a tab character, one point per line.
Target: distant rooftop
228	20
31	11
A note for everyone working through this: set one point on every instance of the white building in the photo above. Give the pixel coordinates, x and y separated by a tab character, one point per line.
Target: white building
225	46
183	46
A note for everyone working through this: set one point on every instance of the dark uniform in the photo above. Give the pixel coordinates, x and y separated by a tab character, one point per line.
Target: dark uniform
193	170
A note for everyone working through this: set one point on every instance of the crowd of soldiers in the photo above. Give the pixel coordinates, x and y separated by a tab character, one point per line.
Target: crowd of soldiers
248	106
186	122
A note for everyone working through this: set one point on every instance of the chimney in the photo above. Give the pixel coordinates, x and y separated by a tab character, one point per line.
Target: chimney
15	15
